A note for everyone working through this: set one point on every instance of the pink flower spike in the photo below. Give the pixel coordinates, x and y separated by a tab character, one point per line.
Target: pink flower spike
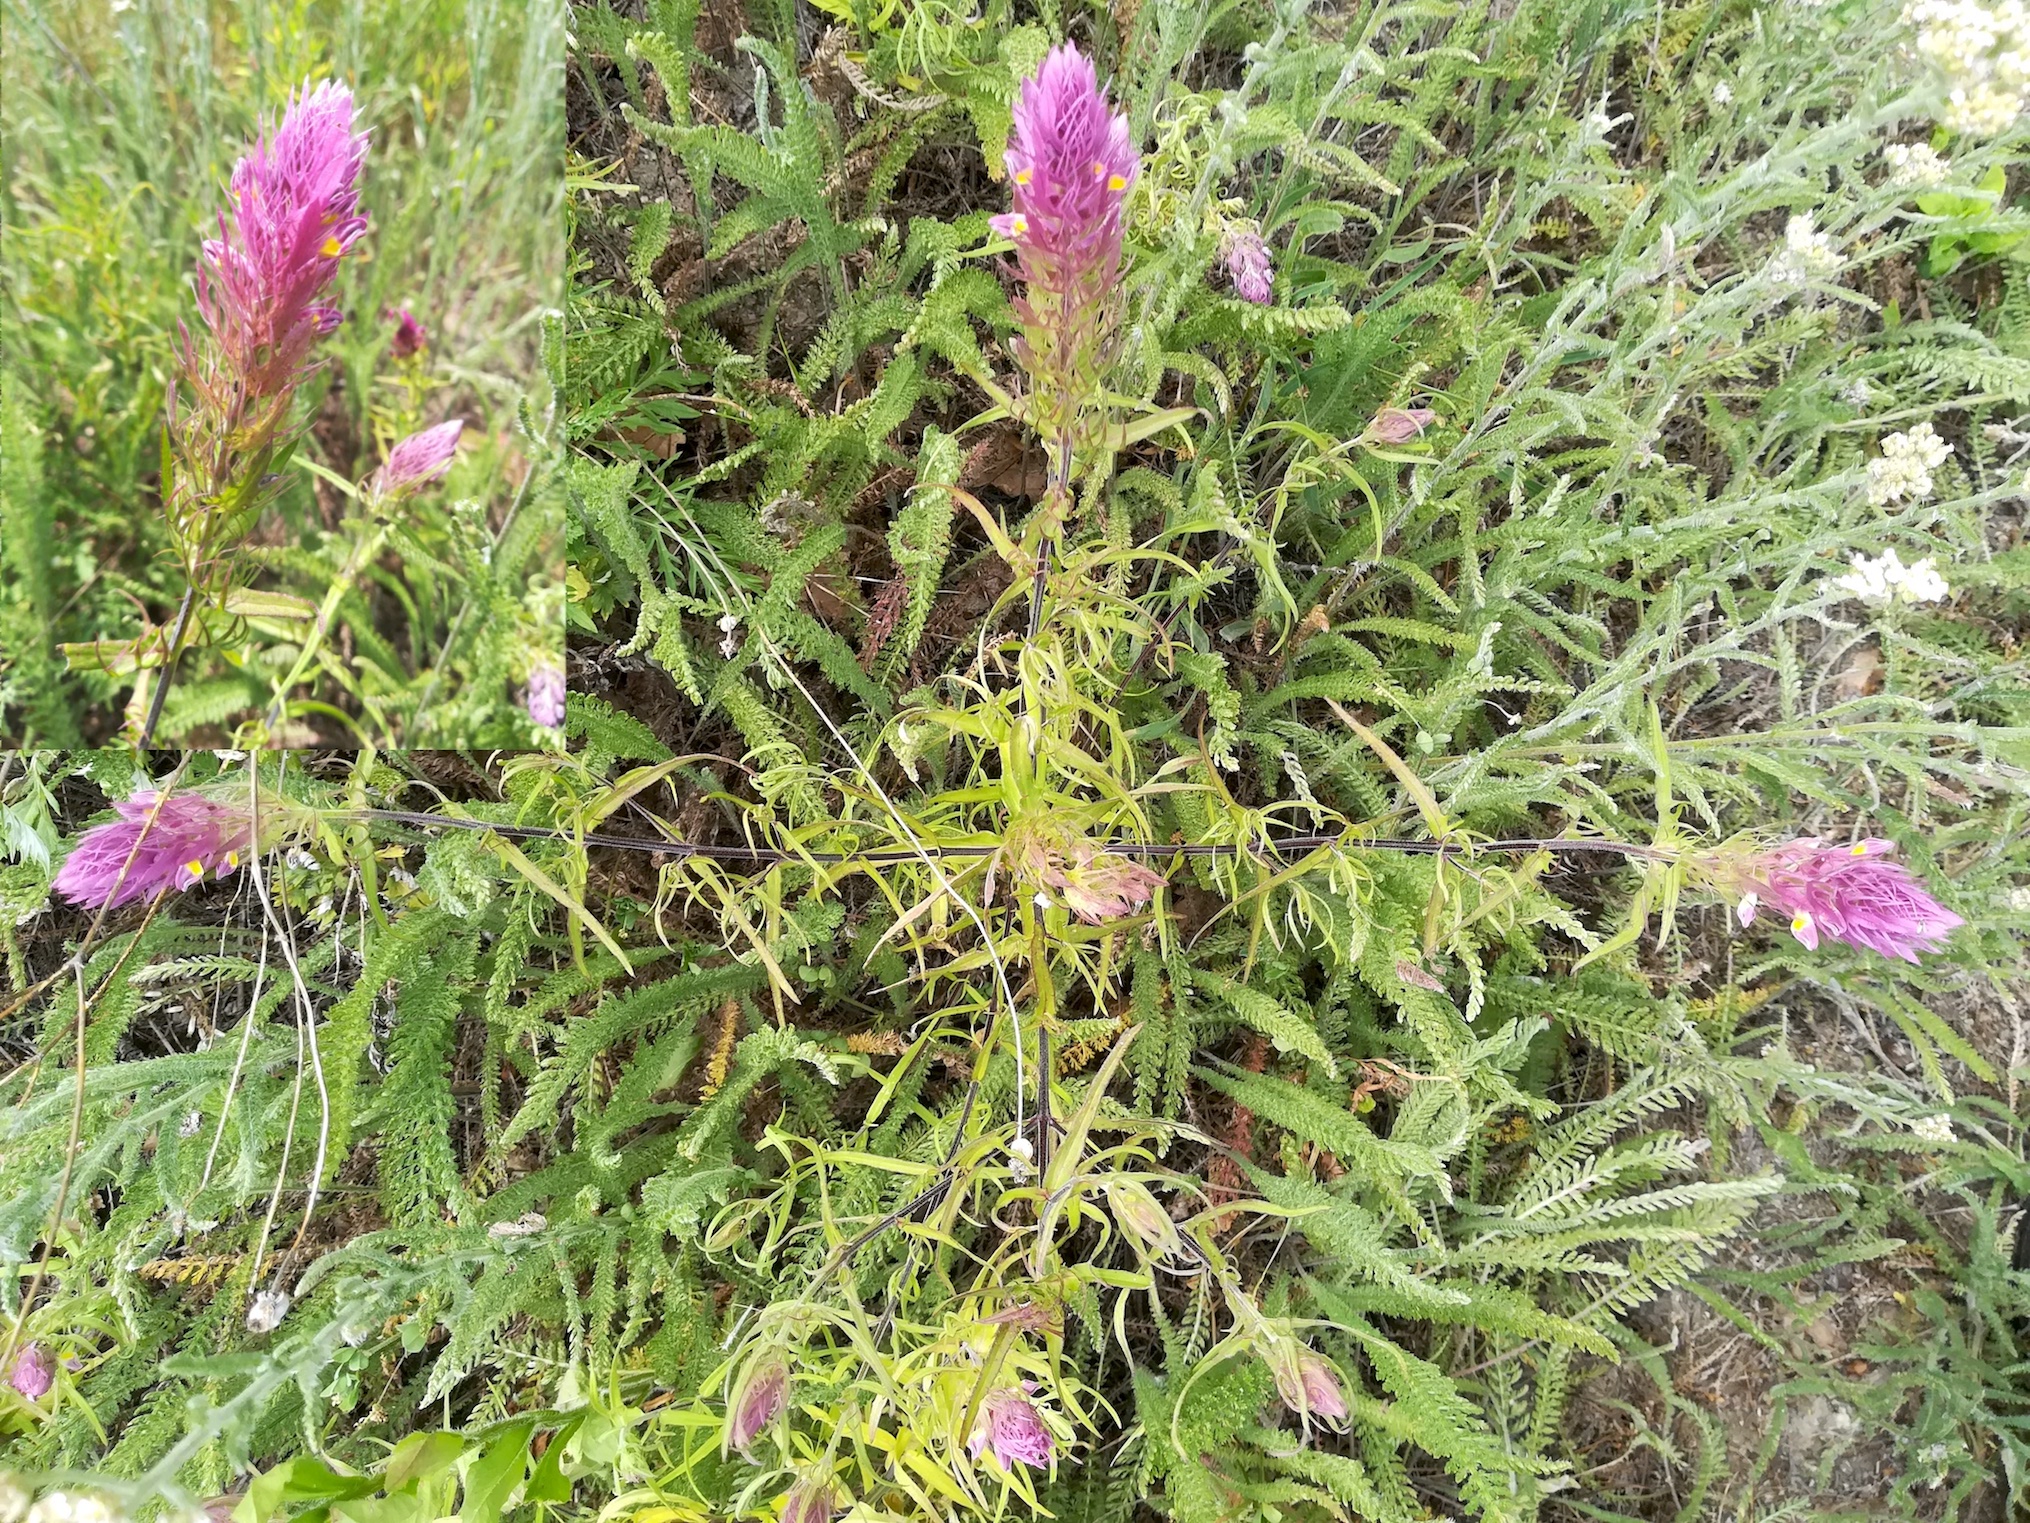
1011	1427
544	696
1247	261
1855	894
418	460
1071	164
410	339
263	280
33	1372
1399	425
191	838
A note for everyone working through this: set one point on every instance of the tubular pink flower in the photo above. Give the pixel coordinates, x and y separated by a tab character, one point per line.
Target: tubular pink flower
1011	1427
544	696
33	1372
410	339
191	838
1247	261
1852	893
1072	163
418	460
262	282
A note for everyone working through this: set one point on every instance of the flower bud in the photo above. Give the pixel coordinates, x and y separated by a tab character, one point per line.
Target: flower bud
33	1371
1399	425
1143	1219
418	460
754	1402
410	339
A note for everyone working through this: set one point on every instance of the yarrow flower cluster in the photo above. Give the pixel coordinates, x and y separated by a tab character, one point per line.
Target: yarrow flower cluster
1854	894
1915	166
1807	254
189	838
1246	258
1071	163
72	1507
1982	52
1886	580
1905	465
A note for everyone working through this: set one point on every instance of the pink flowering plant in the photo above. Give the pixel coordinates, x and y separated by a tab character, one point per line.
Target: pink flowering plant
333	539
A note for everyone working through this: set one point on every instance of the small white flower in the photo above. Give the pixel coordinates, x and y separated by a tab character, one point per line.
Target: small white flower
1723	94
1856	393
267	1310
1933	1128
1903	469
1915	166
13	1500
192	1124
71	1507
1807	254
2019	899
728	622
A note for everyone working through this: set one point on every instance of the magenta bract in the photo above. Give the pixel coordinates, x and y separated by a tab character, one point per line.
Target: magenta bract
263	281
33	1372
419	459
544	697
1852	893
755	1403
191	838
1247	261
1011	1427
410	339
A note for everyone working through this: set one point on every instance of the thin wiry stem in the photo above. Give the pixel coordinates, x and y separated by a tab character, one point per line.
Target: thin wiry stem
306	1016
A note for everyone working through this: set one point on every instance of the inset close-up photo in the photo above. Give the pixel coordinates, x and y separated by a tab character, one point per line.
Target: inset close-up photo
278	431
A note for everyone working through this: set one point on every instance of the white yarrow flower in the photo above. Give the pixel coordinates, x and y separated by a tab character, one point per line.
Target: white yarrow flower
1807	254
1723	94
267	1310
1905	465
1981	52
1915	166
1885	580
1933	1128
